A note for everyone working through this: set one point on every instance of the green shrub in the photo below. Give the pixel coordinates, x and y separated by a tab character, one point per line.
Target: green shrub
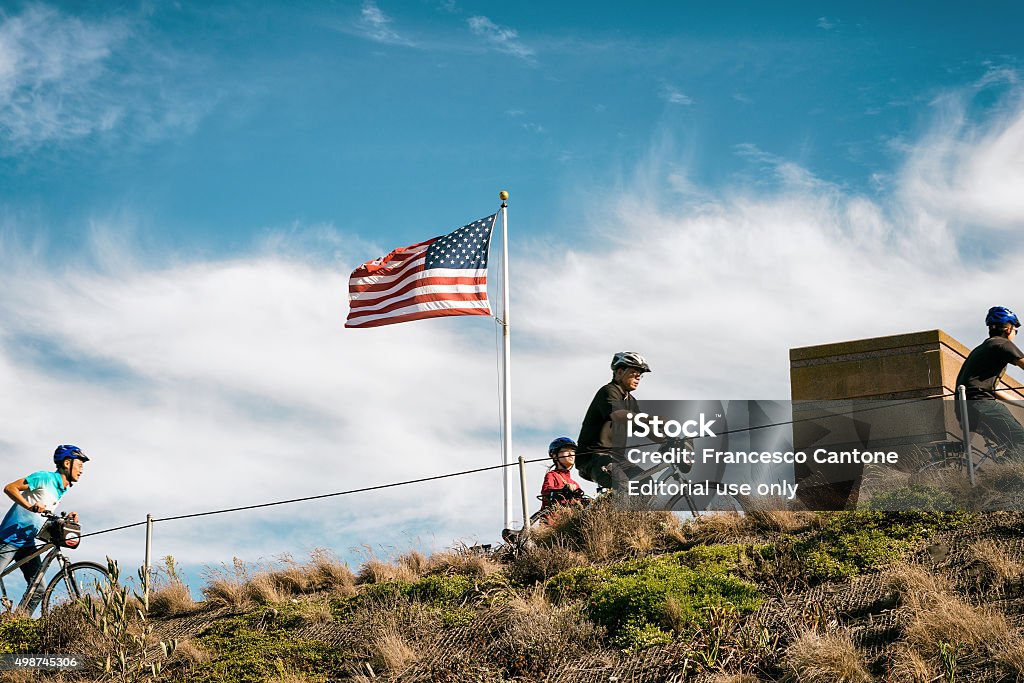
442	589
454	617
632	599
635	637
914	497
380	592
851	542
20	635
253	648
436	589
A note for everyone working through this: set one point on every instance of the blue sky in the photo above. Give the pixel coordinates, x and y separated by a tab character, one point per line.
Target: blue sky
184	188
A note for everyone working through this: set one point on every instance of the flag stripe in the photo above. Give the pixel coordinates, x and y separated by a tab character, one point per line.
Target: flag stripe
370	297
419	312
456	292
444	295
389	274
423	315
446	275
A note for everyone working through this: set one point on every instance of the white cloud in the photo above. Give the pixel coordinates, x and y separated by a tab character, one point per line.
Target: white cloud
376	25
50	66
673	95
500	38
969	173
716	287
215	384
57	82
826	23
206	384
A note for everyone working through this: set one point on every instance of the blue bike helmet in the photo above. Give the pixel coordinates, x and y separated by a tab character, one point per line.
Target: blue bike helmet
68	452
998	315
560	443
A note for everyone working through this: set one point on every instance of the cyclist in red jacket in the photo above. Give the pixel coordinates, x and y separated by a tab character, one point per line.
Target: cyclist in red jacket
559	487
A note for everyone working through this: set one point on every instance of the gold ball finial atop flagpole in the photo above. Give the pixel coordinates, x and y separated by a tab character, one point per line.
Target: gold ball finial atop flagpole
503	195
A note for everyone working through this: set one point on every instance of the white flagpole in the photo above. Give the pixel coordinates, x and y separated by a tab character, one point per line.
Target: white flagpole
506	393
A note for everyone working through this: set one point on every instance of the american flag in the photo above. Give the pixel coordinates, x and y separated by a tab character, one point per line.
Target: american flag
443	276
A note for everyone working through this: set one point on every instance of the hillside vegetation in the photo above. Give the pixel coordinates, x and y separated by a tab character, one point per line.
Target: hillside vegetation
602	594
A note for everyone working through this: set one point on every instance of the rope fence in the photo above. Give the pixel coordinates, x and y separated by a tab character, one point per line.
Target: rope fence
151	520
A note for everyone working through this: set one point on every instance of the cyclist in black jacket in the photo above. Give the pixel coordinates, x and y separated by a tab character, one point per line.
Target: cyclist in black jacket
981	373
602	435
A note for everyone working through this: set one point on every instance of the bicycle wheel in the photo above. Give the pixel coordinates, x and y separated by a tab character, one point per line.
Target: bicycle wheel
80	579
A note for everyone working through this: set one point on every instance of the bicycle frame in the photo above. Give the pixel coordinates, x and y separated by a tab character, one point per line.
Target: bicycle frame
38	582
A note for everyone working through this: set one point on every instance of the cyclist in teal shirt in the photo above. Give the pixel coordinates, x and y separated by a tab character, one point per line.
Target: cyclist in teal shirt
37	493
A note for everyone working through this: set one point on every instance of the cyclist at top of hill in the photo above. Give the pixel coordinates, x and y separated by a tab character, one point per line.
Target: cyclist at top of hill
33	495
602	435
980	374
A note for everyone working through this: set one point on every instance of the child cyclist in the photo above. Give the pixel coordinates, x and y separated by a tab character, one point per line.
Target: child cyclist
559	487
34	495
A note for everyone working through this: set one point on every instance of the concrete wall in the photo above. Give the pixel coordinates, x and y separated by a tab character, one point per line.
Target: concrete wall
900	366
886	393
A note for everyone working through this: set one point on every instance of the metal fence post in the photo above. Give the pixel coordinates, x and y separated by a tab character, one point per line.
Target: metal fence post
522	485
149	557
965	426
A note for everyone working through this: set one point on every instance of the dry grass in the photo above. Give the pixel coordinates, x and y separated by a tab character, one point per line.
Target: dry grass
826	658
316	612
238	589
612	528
734	678
291	578
415	561
916	586
189	653
66	629
979	631
391	651
1002	484
779	521
322	573
1011	656
995	565
462	561
720	526
228	588
528	635
267	589
948	619
171	599
938	617
329	574
910	667
414	620
378	571
229	592
538	563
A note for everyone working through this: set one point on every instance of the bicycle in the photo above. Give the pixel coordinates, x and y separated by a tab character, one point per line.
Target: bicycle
73	581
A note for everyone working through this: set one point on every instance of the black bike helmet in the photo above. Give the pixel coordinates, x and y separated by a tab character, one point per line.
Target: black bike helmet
630	359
